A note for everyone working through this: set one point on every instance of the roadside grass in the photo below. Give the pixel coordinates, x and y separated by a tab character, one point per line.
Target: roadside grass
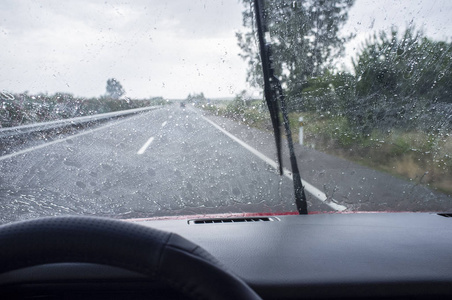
252	113
417	156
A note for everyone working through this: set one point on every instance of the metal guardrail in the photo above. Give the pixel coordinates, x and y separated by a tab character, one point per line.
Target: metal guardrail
10	131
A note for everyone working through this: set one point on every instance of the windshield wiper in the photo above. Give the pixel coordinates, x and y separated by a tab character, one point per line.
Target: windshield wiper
275	101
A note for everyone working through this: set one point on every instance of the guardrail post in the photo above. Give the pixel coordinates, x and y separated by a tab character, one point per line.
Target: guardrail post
300	133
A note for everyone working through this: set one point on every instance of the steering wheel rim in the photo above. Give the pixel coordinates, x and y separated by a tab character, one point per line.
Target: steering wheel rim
185	266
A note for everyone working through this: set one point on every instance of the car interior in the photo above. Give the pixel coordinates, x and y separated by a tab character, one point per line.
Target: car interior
320	256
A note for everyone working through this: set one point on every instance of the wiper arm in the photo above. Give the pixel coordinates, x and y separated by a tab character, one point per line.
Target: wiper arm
275	100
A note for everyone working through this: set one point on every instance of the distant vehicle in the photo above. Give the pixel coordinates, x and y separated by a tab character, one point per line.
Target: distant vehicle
182	104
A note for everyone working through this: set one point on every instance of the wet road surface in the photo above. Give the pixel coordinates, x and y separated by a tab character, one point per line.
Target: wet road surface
169	161
173	161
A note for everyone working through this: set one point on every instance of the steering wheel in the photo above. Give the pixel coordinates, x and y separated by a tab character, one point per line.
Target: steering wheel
166	256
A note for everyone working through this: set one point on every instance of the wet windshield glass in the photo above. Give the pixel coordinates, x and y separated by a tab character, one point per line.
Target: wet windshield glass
151	109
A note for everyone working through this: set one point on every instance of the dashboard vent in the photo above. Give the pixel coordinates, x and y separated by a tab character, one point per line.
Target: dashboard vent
233	220
447	215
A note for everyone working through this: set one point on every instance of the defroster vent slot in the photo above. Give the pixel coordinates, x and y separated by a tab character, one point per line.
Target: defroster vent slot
232	220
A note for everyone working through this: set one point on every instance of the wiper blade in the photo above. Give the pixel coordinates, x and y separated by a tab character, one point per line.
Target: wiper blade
275	101
269	91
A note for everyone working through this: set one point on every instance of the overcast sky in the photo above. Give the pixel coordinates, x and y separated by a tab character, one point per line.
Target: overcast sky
156	48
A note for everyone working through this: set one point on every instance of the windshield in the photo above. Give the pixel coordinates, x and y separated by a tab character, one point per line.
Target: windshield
156	109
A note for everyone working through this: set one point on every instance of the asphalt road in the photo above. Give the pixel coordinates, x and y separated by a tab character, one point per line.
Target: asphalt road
169	161
175	161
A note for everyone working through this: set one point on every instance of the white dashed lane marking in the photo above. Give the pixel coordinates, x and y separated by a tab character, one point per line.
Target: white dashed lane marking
145	146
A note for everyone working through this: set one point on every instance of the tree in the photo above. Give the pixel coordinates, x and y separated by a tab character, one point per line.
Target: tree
327	93
197	98
399	78
304	39
114	88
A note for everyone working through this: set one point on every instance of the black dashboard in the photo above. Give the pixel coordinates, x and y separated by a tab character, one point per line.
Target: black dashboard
329	256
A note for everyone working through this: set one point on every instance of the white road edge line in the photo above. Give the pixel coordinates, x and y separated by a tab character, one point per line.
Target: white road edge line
7	156
309	187
145	146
